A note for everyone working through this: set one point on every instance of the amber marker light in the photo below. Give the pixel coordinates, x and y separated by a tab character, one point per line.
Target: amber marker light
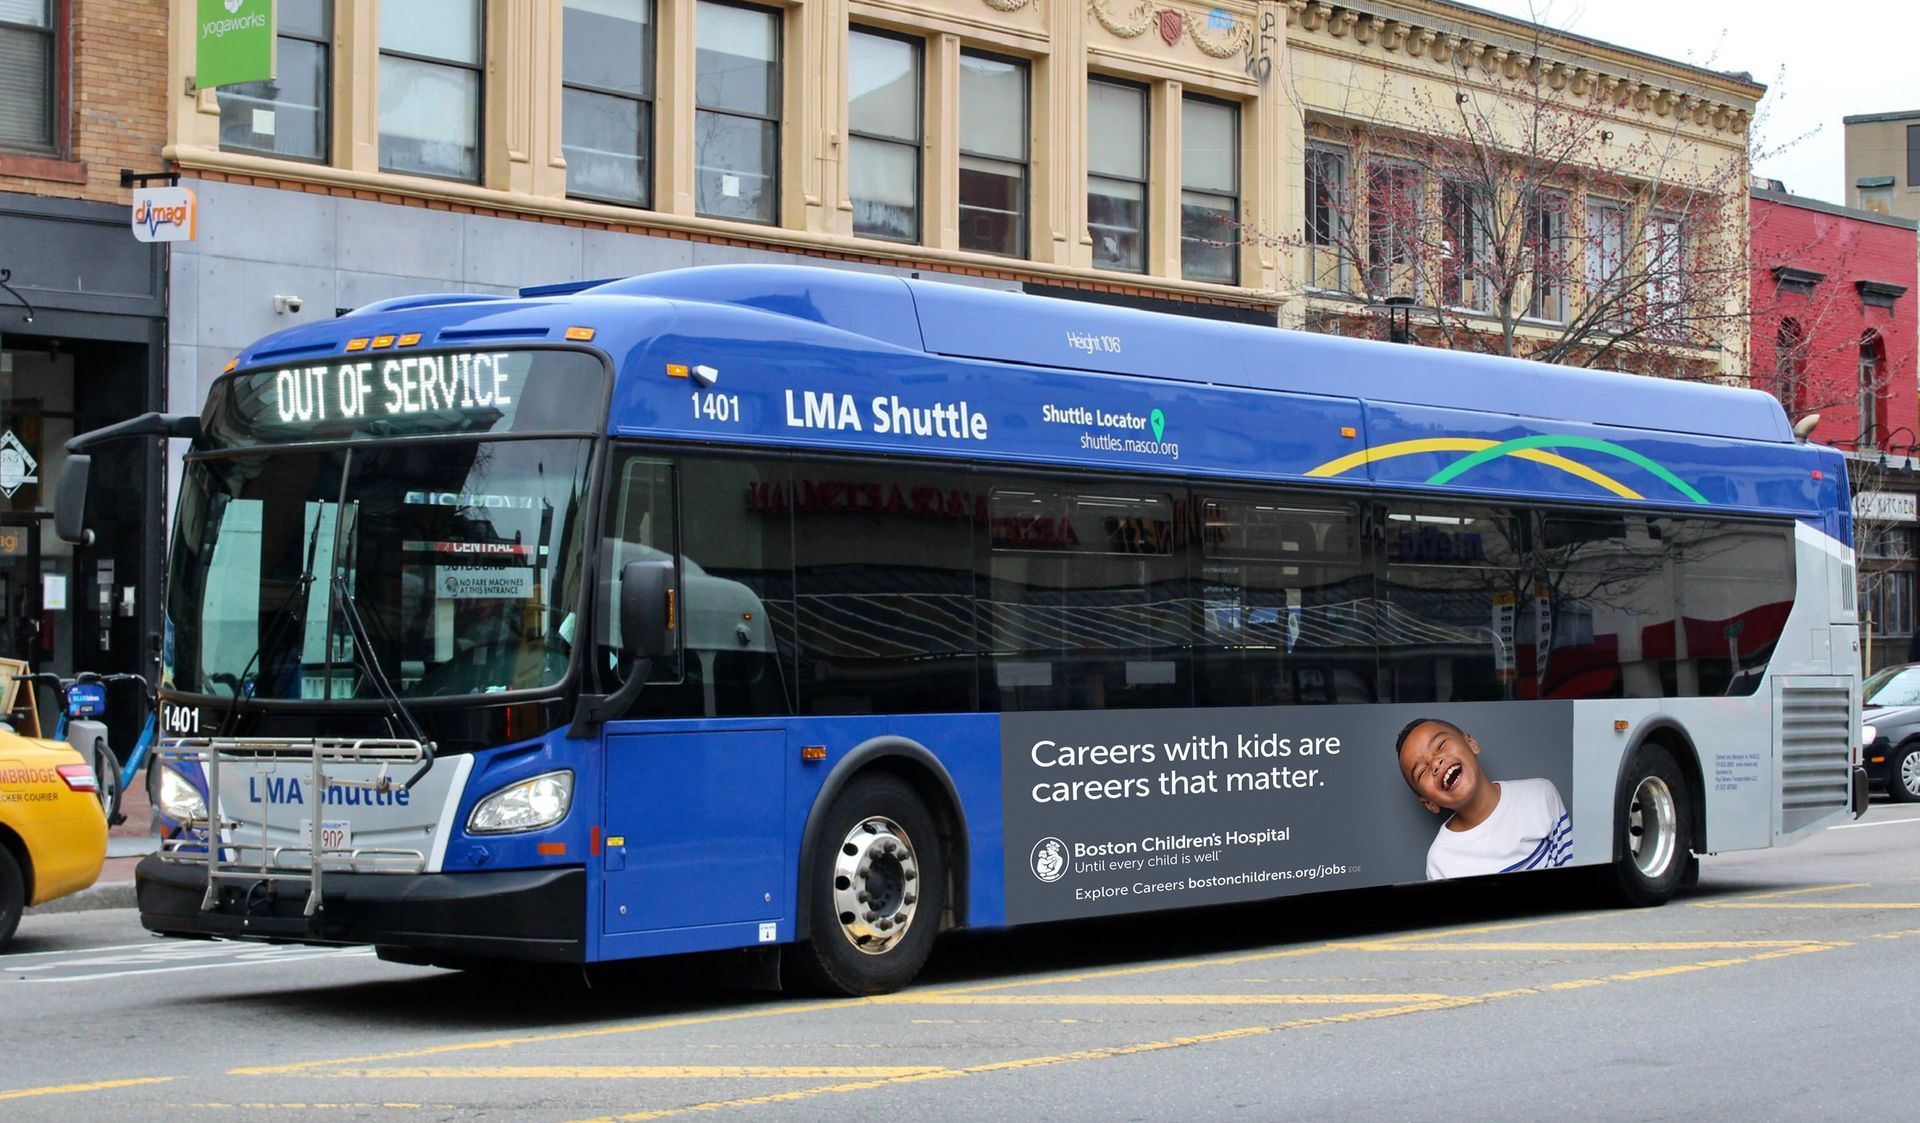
580	335
409	339
552	849
1619	726
357	344
380	341
813	752
231	363
1349	432
676	370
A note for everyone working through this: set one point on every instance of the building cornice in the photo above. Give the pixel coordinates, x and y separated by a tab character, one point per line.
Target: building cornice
1455	35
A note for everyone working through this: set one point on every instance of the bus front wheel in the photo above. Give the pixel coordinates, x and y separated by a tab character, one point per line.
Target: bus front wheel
1653	831
877	882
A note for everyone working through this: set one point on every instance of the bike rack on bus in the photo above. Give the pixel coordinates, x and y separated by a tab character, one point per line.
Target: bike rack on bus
229	851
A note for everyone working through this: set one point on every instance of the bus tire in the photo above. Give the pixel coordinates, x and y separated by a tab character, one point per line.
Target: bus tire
13	895
1653	831
877	880
1903	775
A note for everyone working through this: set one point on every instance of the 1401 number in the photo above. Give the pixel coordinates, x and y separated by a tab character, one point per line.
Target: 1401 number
716	407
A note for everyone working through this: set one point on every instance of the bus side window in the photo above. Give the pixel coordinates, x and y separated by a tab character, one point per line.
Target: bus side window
1460	603
1087	600
640	524
1286	603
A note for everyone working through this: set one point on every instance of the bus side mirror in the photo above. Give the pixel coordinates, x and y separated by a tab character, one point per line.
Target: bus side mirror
70	500
647	609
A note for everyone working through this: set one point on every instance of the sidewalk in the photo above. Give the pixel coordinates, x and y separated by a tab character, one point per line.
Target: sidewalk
126	845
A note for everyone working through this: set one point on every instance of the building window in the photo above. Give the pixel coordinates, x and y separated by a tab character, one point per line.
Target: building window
1210	190
1393	217
883	120
430	56
1547	246
1606	257
1913	155
1889	600
1464	260
26	74
736	145
1666	279
1117	174
1872	399
606	109
286	116
993	154
1328	232
1789	367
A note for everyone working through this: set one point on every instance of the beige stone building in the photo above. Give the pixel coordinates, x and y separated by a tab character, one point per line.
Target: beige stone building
1275	161
1883	162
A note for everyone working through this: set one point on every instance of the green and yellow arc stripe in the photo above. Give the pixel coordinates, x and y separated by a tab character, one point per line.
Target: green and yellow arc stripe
1533	448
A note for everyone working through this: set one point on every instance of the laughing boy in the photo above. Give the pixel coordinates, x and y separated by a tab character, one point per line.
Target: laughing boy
1491	827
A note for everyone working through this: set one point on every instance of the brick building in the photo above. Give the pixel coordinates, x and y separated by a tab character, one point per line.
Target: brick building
1834	336
82	320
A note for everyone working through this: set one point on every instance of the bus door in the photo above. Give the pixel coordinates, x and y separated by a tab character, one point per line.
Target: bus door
694	809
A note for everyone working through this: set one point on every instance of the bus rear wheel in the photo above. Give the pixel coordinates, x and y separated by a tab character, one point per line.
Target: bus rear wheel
877	884
1653	831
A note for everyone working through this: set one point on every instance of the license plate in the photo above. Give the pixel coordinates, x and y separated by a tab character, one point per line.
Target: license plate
335	834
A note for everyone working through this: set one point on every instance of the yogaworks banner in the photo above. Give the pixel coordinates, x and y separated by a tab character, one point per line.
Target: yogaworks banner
1123	810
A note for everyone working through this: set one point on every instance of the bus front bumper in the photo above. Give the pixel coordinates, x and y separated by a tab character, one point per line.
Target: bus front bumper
504	914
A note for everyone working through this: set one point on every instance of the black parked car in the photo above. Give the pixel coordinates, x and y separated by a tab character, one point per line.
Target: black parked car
1891	717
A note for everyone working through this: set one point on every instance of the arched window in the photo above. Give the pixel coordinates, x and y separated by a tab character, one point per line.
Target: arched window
1790	367
1873	390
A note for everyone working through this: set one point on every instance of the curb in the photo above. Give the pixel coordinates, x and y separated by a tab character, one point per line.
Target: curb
105	895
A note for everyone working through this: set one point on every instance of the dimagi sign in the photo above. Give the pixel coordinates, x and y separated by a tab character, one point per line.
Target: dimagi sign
1119	811
397	386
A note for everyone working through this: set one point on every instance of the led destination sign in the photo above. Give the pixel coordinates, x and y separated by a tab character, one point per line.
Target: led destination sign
403	394
402	386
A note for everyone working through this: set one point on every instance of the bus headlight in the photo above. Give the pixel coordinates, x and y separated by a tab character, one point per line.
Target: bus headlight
179	800
527	805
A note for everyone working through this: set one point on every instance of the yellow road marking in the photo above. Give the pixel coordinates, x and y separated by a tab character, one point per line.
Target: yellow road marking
1020	1063
95	1086
843	1004
1769	895
1110	1052
1166	999
636	1072
1813	905
255	1106
547	1038
1592	945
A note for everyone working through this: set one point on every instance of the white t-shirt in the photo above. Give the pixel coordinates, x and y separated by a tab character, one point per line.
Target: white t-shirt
1528	830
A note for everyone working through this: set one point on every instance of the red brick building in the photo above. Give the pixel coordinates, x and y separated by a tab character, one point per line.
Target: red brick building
1835	292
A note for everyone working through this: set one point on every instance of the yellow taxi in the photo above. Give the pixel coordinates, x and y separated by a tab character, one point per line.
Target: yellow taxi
53	833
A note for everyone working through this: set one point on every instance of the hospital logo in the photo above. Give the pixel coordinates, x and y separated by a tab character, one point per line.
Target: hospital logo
1050	861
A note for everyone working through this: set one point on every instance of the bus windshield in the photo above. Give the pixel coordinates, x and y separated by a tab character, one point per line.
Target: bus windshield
452	553
461	557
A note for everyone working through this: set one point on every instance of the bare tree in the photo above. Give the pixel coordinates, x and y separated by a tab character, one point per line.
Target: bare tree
1520	216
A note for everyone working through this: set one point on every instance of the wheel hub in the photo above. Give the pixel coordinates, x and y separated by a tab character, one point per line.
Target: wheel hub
1910	774
1651	832
876	888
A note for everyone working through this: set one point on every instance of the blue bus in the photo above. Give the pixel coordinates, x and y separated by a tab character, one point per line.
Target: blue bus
818	612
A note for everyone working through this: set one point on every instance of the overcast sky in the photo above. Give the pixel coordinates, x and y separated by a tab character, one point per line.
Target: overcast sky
1819	61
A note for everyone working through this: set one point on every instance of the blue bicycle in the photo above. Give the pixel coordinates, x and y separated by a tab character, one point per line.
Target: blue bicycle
83	701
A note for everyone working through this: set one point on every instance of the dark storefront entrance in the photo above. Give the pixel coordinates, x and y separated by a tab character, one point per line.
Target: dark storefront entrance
92	353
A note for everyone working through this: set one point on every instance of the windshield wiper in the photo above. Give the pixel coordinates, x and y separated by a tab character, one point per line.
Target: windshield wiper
341	605
243	686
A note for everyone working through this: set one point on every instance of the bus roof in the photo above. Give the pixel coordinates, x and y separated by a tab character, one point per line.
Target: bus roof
948	319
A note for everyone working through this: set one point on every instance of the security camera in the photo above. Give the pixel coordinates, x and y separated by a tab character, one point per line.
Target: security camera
287	304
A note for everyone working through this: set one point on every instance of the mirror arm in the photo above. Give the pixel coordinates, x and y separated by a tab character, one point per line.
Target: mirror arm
595	710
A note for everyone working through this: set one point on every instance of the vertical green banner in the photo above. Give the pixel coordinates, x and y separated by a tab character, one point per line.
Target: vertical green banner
234	42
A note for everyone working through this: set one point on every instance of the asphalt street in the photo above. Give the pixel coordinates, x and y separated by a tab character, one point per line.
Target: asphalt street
1784	987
